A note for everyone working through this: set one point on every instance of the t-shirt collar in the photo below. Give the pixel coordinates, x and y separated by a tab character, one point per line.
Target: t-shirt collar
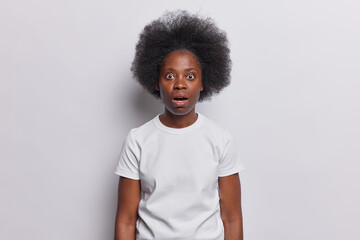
187	129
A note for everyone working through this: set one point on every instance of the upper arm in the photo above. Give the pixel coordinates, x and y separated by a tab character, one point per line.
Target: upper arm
230	198
129	193
229	162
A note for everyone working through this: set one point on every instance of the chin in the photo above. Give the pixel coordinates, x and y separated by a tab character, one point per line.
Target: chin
180	111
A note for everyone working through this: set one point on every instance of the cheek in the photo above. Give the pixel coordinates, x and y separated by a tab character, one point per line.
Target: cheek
200	87
163	92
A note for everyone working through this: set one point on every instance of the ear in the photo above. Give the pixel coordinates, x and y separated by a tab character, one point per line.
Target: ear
202	87
157	87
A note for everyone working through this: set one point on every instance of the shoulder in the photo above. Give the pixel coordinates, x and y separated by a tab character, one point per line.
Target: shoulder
215	129
138	133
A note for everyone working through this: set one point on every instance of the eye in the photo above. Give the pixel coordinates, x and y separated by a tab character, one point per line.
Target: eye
191	76
169	76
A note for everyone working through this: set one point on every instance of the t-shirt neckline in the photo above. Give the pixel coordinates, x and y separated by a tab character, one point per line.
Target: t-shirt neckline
187	129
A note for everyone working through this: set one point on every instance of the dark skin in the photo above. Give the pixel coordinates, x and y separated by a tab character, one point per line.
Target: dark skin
180	74
179	85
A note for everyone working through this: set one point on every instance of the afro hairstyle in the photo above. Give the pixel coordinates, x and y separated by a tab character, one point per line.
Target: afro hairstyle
181	30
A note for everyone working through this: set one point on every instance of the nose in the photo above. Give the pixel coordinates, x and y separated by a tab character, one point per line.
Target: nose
180	84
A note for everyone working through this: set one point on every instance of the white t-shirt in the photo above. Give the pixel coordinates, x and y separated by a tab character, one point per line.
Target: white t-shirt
179	169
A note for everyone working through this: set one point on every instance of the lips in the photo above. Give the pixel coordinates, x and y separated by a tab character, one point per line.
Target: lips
180	100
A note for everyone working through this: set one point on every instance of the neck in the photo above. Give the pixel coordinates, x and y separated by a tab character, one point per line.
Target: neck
178	121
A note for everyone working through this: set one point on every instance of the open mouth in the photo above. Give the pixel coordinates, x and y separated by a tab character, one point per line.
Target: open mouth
180	101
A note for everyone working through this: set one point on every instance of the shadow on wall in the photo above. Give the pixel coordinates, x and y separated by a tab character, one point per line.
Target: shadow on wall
134	104
146	104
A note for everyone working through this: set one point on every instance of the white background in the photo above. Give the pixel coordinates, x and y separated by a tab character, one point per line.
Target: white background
67	99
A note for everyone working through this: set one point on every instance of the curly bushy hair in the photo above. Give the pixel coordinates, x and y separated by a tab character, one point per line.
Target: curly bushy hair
181	30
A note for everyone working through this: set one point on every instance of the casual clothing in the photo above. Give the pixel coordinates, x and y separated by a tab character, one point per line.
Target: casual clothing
179	170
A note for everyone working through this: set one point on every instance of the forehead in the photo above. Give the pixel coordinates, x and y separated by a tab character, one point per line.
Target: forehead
181	59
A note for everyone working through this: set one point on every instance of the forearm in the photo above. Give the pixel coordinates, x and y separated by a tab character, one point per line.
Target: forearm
230	205
126	215
125	231
233	230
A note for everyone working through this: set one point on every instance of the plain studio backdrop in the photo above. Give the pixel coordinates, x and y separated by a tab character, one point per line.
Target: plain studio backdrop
67	100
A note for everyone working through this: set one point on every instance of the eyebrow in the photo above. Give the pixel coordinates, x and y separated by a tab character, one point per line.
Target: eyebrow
187	69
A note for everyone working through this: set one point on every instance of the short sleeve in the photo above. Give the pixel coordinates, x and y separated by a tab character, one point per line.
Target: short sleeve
128	164
229	163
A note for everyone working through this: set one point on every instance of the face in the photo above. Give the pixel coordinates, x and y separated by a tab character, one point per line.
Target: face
180	82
